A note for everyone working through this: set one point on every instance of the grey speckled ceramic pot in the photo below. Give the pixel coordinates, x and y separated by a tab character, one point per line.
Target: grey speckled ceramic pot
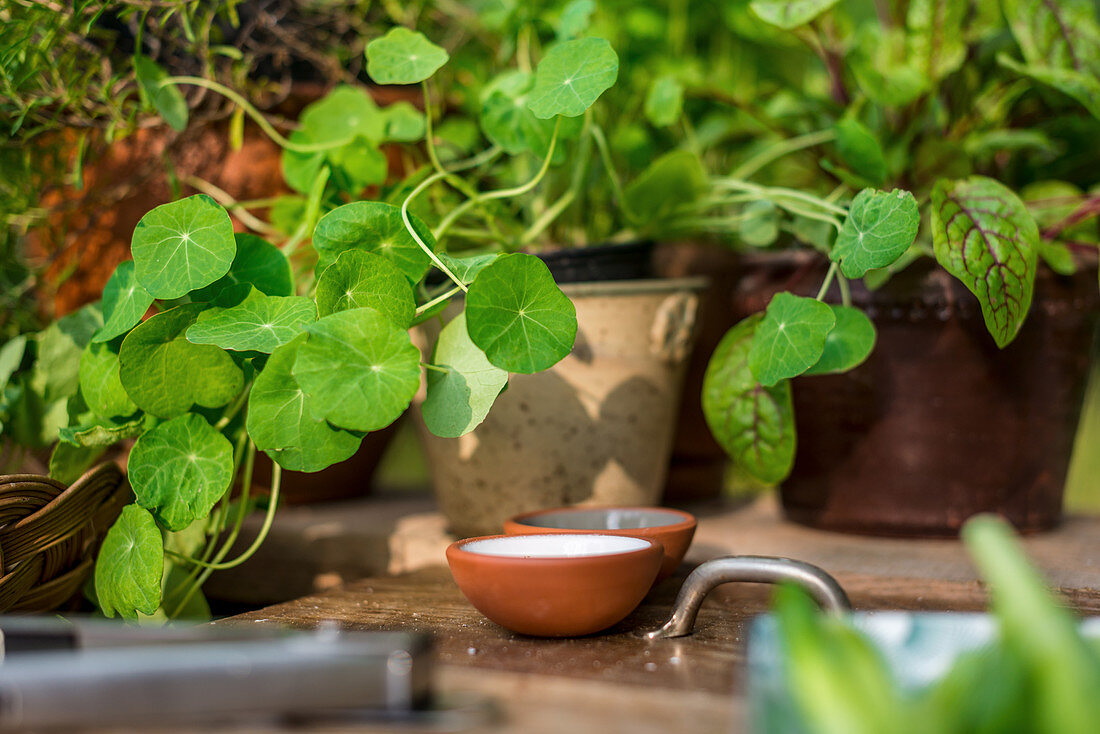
596	429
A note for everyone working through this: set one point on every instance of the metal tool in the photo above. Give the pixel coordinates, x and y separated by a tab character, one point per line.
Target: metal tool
61	674
758	569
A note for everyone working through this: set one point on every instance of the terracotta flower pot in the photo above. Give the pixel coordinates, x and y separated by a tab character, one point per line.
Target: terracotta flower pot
938	424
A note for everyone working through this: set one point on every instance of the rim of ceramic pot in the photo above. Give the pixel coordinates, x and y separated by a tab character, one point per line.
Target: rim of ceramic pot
615	547
648	286
686	519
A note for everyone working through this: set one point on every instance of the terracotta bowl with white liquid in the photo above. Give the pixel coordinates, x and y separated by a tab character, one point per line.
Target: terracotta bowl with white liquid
673	529
555	585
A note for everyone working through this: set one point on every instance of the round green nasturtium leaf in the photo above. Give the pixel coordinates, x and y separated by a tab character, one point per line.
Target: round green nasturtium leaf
879	228
362	279
848	344
404	123
373	226
754	424
181	246
179	469
257	263
125	301
130	564
518	316
664	101
165	374
788	14
403	56
257	324
284	427
341	115
759	226
571	77
984	235
460	398
790	338
100	384
358	369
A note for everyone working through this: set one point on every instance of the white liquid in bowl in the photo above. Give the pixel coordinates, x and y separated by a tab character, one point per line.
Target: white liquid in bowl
555	546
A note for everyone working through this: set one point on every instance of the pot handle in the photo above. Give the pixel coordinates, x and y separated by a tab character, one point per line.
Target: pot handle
758	569
673	328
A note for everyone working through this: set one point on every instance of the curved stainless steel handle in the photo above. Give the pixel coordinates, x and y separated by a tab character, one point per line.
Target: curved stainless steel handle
759	569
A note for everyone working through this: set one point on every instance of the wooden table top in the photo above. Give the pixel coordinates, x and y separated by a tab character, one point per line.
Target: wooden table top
616	681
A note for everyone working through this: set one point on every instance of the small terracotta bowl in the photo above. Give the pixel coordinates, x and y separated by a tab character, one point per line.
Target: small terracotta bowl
673	529
555	585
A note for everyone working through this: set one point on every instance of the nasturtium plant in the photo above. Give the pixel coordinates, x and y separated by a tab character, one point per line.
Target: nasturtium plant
879	228
747	386
100	383
216	346
257	263
283	424
848	344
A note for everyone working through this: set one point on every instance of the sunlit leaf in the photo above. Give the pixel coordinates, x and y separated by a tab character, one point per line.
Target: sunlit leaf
358	369
129	566
518	316
165	374
180	469
362	279
181	246
284	427
790	338
258	324
460	397
880	227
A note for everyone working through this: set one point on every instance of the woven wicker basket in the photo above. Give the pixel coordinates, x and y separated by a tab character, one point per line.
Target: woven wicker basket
49	534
